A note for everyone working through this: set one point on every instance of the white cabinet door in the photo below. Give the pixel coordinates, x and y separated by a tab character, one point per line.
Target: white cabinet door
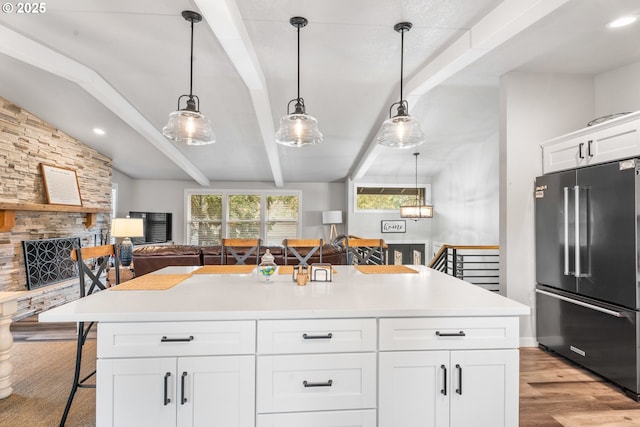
563	155
136	392
615	143
216	391
441	388
414	389
484	388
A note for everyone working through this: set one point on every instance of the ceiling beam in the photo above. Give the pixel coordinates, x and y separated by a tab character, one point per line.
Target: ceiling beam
223	16
501	24
26	50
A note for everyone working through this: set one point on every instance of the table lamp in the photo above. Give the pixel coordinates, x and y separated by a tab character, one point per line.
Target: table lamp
124	228
332	218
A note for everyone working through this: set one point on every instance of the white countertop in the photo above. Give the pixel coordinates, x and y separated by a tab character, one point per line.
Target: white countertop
244	296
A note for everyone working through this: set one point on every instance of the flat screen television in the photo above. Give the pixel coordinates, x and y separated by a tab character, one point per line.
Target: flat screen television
157	227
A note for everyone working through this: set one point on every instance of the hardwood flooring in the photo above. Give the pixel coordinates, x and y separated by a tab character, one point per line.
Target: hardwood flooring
557	393
553	391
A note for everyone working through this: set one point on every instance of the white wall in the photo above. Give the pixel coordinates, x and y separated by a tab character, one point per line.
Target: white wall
368	224
534	108
618	90
168	196
125	193
465	190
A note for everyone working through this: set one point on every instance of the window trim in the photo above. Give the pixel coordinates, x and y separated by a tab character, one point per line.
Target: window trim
224	193
425	187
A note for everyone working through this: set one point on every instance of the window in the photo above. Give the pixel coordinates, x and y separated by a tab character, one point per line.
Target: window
204	226
269	216
387	198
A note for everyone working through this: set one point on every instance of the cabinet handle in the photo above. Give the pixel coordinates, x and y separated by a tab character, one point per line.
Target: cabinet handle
307	384
459	389
183	399
165	339
317	337
580	150
166	388
451	334
589	153
444	380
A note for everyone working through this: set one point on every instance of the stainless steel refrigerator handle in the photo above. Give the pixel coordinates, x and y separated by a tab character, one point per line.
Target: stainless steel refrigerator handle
580	303
566	231
576	249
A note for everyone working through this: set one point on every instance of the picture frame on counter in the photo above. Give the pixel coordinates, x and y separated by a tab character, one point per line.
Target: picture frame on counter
393	226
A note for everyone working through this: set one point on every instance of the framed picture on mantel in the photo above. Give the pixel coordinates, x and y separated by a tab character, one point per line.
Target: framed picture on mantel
61	185
393	226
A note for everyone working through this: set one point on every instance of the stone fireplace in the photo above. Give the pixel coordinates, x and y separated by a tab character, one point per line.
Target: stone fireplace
25	142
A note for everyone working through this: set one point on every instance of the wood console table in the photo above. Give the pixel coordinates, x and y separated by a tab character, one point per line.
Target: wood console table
8	307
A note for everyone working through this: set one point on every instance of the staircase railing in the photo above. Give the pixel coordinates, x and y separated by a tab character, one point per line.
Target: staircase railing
475	264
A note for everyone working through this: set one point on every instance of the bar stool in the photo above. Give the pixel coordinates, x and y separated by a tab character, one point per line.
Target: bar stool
240	250
86	258
293	246
366	251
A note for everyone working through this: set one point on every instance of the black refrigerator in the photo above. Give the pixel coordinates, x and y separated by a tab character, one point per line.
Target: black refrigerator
587	268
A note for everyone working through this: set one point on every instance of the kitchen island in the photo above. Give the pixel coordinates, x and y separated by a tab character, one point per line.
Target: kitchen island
363	350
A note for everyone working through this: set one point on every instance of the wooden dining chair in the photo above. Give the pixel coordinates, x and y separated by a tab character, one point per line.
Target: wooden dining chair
92	262
240	250
294	246
366	251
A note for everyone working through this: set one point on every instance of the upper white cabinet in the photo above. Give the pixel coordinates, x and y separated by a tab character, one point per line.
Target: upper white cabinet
609	141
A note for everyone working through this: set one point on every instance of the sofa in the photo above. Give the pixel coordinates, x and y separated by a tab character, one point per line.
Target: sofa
151	258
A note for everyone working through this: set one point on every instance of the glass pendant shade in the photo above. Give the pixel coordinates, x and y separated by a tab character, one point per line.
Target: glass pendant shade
189	127
401	132
298	129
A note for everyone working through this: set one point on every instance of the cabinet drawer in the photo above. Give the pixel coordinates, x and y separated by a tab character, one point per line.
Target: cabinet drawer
365	418
316	336
316	382
448	333
176	339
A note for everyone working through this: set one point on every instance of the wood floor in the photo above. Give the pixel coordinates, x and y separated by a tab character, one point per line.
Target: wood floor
553	392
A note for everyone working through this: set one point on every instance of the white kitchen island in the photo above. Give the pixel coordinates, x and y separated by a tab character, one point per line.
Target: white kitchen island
363	350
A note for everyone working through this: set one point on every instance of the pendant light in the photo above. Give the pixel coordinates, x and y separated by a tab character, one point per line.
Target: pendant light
298	129
188	125
401	130
418	209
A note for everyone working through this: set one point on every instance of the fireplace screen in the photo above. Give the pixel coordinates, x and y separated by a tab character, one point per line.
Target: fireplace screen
48	261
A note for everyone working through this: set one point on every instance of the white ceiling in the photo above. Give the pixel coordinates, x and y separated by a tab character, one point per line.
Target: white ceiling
121	65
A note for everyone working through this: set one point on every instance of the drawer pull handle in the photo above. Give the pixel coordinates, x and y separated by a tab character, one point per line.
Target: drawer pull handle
165	339
166	388
459	389
451	334
183	399
318	337
308	384
444	380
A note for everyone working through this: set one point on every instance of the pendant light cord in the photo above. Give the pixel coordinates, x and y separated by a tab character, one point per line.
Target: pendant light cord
417	198
298	63
191	71
402	65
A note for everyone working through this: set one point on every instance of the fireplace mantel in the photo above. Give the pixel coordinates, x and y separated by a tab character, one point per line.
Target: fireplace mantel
8	212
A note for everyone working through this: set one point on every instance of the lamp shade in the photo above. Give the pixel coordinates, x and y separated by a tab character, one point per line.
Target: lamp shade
416	211
401	131
297	130
189	127
332	217
127	227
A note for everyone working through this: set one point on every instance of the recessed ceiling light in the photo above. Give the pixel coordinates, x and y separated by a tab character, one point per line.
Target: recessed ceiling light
98	131
622	21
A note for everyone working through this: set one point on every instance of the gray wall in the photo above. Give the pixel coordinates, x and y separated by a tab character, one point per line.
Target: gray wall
169	196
